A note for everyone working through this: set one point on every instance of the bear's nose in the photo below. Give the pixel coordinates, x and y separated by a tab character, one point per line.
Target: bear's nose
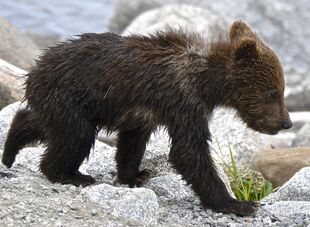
287	124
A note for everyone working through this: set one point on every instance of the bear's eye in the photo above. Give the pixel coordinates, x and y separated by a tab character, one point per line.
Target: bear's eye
272	94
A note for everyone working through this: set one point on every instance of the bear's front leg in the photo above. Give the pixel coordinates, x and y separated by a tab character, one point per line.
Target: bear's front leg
130	150
191	157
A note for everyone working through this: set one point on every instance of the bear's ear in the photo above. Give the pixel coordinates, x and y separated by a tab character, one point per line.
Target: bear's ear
238	30
246	49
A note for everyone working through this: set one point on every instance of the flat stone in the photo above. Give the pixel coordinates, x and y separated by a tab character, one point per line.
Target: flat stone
137	204
279	165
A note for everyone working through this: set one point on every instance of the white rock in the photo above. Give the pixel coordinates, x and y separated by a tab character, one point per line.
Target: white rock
296	189
6	116
282	140
297	89
101	162
29	158
229	132
289	209
187	17
302	138
170	188
137	204
299	119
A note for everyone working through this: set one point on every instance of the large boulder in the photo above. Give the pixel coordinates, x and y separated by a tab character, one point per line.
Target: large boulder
279	165
16	47
187	17
296	189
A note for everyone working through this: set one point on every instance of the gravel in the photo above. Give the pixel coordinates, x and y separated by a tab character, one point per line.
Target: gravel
27	198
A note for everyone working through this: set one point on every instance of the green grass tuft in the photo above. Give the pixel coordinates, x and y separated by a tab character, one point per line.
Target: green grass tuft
245	183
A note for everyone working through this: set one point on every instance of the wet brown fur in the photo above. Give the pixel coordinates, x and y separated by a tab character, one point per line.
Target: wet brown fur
133	84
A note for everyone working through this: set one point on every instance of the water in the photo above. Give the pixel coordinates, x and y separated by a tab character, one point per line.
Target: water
58	17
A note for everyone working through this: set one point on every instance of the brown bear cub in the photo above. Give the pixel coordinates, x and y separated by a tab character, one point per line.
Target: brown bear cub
133	84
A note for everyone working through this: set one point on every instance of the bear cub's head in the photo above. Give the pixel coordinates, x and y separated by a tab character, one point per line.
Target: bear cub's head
257	81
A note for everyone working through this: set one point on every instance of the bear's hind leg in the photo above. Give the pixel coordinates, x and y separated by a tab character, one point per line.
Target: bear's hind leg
64	155
24	130
130	150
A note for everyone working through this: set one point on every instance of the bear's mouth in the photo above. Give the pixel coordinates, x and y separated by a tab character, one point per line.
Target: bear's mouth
269	132
265	128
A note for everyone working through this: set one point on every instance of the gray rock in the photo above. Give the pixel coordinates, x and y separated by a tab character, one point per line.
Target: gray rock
16	47
299	120
101	163
282	140
29	158
297	88
296	189
302	138
137	204
6	116
229	132
187	17
170	188
289	209
126	11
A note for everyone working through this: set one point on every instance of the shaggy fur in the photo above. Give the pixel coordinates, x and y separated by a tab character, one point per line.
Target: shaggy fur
133	84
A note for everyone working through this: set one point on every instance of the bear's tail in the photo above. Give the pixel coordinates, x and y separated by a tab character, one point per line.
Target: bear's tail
24	130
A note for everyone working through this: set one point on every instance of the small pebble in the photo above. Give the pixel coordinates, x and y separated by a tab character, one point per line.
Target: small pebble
94	212
72	188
